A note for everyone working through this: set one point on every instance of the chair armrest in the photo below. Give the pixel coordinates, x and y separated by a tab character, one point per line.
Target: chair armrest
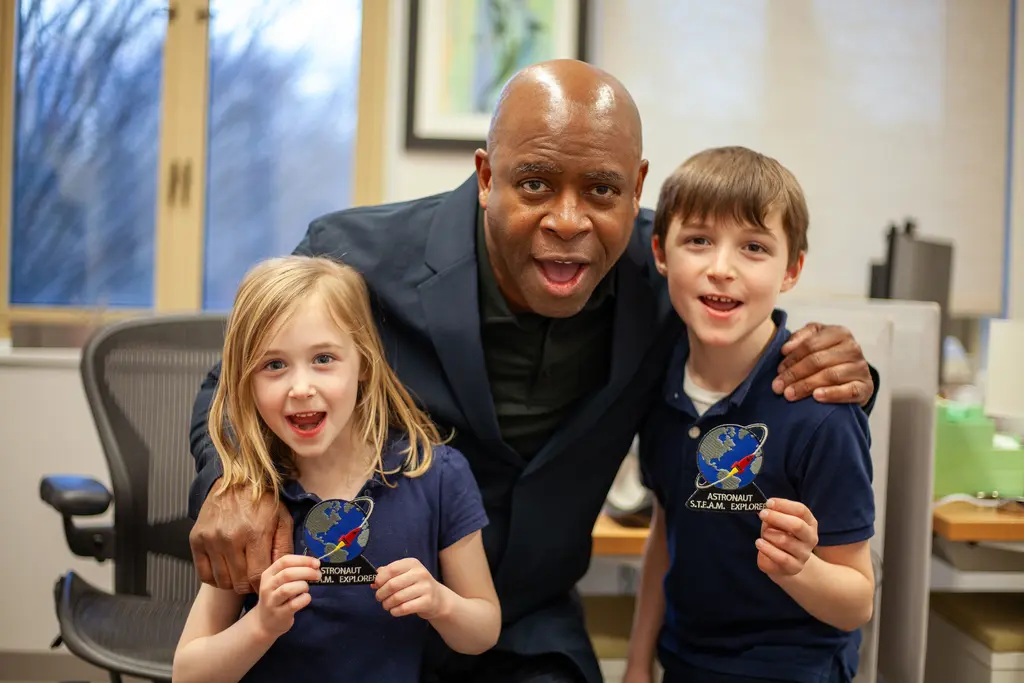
75	496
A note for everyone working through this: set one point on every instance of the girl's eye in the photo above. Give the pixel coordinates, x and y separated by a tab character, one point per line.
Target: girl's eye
273	365
323	359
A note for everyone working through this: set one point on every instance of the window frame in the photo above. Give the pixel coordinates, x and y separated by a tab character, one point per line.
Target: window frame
179	229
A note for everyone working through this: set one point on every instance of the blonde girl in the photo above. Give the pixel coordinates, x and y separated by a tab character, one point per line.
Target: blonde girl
307	407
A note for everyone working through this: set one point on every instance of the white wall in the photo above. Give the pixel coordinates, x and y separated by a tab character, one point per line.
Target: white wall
883	110
45	428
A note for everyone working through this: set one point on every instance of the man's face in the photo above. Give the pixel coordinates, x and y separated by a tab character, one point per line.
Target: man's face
560	197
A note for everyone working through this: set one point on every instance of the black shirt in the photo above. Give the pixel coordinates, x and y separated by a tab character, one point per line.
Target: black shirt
539	367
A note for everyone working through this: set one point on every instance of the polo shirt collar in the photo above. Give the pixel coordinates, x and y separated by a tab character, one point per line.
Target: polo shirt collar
394	459
673	388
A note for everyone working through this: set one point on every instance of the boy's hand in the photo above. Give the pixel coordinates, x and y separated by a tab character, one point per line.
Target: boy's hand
406	587
284	590
789	534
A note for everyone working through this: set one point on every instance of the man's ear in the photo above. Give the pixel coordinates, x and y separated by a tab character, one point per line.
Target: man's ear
483	176
793	273
659	255
639	189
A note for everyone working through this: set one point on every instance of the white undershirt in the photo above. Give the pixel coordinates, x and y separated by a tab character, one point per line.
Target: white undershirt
701	397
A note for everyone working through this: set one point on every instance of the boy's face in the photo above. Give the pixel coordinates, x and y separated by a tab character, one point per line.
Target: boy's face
724	277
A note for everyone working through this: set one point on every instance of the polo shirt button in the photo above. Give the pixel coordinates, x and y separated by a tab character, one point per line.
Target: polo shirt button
694	432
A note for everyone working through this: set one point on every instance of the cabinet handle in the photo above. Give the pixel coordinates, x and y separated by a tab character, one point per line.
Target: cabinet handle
172	186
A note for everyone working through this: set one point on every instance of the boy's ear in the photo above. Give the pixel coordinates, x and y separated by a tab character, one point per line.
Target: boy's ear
659	255
793	273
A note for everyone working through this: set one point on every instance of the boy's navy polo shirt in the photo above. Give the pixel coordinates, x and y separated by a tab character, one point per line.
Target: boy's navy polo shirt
722	613
344	633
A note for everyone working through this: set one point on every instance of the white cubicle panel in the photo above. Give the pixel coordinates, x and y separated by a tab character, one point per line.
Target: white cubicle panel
874	333
911	385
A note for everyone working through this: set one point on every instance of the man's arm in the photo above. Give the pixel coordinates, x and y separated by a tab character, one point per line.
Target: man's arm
208	467
826	362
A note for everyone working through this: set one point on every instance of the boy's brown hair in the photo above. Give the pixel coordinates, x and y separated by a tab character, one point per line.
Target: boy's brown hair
738	183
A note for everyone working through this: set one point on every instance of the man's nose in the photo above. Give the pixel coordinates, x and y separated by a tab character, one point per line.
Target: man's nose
568	219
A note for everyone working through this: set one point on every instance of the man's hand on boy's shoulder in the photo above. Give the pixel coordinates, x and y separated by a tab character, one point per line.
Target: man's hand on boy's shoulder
827	362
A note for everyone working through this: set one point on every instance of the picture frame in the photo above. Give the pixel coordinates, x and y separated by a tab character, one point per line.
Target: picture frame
461	53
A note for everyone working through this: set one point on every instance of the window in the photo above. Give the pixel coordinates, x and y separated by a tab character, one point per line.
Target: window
158	149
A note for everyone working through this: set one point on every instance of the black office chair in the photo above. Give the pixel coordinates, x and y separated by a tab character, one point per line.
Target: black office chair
140	377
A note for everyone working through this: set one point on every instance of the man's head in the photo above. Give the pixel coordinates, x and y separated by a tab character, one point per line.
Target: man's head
730	233
560	184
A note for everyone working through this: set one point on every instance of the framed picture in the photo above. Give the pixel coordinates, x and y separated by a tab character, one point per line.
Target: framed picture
461	53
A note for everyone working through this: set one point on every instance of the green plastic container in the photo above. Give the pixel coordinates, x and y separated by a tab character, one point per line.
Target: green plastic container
965	459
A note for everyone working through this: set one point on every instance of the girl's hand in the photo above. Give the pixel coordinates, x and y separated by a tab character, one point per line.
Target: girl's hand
406	587
284	590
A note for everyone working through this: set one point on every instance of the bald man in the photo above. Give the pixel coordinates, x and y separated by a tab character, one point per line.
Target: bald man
524	311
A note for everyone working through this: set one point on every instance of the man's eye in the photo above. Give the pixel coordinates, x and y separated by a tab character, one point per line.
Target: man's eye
604	191
533	185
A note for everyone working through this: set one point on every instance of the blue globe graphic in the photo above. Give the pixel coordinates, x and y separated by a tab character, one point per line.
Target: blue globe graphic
337	530
730	447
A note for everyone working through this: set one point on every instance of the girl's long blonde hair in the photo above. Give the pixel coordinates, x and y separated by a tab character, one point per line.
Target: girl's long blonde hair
251	454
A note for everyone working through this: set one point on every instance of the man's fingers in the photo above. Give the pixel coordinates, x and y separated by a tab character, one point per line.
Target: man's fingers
257	559
236	564
203	567
851	392
282	543
826	370
221	573
804	334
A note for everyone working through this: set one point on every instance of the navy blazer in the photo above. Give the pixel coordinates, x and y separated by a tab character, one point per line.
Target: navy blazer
419	260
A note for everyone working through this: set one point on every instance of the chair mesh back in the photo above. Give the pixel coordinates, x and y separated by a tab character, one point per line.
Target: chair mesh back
142	378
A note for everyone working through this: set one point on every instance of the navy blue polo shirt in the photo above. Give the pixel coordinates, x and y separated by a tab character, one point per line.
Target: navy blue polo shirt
712	474
344	633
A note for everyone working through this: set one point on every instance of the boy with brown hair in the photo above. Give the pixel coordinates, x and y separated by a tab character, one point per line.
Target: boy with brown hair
757	567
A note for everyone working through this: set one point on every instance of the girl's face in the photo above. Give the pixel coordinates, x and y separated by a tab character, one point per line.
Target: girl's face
307	381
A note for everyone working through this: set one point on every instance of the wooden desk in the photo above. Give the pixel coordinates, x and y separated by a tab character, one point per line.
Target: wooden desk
611	538
963	522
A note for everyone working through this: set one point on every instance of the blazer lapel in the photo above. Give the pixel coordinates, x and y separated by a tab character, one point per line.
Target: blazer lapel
632	332
452	312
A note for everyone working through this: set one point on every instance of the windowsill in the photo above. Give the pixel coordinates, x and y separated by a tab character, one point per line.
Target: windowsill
38	357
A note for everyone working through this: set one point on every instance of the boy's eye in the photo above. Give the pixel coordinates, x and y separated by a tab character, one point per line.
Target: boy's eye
323	358
698	241
757	248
